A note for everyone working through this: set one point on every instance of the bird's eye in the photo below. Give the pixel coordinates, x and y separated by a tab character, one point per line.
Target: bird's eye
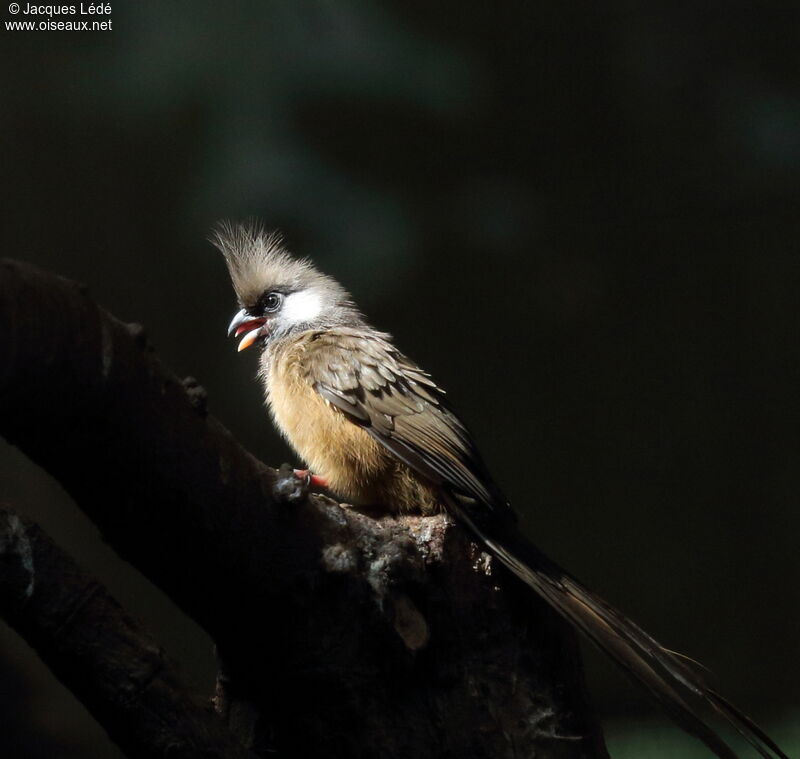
272	301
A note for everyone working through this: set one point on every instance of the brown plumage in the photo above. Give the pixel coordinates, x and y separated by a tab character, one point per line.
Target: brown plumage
308	378
378	429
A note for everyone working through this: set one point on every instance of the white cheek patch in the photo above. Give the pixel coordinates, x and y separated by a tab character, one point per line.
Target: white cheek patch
301	307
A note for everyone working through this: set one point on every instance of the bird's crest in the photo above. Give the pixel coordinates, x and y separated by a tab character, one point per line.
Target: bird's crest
257	260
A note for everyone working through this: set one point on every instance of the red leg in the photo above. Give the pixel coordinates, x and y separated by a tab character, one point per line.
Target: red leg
313	480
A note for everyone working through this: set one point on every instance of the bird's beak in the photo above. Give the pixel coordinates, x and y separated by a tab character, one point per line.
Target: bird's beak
244	322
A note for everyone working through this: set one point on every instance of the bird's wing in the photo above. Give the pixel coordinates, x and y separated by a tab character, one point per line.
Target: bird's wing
381	390
387	394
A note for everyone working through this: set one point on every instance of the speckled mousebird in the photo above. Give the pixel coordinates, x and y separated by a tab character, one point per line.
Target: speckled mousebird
378	431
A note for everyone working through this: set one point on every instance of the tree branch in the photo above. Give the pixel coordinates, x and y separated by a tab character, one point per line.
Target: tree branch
115	668
340	633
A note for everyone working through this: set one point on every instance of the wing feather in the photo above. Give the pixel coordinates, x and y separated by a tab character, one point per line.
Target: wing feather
363	375
398	404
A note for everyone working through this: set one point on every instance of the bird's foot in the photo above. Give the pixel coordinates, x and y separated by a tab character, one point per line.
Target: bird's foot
311	480
294	485
288	487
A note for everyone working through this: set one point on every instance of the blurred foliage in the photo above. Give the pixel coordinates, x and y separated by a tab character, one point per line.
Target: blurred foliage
582	219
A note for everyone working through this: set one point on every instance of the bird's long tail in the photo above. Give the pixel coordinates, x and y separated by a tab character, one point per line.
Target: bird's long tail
665	675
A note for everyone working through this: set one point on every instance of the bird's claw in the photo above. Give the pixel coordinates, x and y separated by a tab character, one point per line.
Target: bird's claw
289	488
311	480
294	485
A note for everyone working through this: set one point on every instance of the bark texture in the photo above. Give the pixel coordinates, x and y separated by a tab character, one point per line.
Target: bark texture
340	634
113	666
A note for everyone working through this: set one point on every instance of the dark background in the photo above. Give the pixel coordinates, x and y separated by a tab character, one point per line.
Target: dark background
583	221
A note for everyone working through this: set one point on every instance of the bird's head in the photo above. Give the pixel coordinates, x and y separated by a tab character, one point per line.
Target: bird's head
279	295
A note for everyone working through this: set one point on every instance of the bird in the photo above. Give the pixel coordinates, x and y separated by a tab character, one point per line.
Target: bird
378	432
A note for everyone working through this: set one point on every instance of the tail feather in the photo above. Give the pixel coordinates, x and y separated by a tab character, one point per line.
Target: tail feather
666	676
743	724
